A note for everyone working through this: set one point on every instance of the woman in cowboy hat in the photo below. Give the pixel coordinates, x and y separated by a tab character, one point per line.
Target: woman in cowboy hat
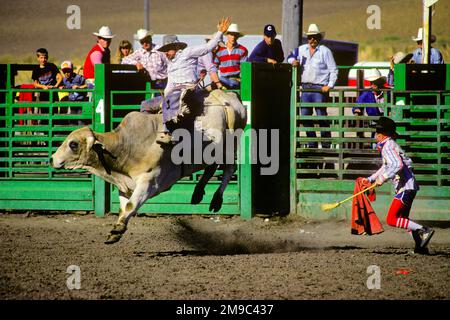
318	73
182	72
99	53
435	54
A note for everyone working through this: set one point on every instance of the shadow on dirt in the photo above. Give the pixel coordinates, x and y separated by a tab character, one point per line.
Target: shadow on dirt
213	242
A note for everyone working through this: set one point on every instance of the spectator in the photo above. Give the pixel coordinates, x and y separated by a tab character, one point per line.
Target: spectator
398	57
319	73
270	49
373	95
207	70
74	81
124	50
46	75
229	58
182	74
435	54
149	60
99	53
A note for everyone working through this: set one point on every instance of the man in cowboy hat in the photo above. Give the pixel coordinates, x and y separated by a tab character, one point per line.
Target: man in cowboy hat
435	54
182	73
269	50
397	167
229	58
318	73
99	53
374	95
149	60
398	57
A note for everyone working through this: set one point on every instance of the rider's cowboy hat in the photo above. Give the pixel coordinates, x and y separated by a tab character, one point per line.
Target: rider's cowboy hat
170	42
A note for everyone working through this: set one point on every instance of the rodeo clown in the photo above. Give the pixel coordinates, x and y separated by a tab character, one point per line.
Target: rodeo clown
397	167
182	74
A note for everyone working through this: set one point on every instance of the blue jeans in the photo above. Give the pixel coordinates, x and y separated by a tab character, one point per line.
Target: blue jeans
231	84
320	111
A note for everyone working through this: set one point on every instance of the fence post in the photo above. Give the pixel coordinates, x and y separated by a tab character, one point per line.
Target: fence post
100	119
245	178
293	134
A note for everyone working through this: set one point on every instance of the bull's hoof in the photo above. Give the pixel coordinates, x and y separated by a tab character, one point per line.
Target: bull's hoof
113	238
197	196
216	202
119	229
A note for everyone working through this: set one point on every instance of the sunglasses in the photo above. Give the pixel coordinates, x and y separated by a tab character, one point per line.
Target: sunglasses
313	37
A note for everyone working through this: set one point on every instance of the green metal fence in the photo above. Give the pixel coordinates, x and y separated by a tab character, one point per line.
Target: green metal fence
27	141
30	131
327	175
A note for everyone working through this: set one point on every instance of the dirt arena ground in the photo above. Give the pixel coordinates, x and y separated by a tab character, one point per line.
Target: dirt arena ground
193	257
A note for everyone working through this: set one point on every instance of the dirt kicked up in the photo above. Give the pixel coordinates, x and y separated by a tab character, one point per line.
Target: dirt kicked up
193	257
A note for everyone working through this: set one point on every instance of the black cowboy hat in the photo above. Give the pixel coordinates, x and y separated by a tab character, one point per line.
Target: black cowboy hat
170	42
385	126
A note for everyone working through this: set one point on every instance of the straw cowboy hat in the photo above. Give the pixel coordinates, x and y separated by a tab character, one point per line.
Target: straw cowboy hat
420	36
143	33
373	75
170	42
104	32
234	28
314	29
401	57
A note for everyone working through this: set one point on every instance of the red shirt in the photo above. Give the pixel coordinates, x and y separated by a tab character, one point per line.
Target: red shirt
88	68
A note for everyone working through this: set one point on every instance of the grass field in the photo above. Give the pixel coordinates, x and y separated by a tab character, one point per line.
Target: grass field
26	25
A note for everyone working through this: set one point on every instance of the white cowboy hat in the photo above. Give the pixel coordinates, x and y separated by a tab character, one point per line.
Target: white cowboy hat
234	28
373	75
143	33
104	32
171	42
420	36
314	29
401	57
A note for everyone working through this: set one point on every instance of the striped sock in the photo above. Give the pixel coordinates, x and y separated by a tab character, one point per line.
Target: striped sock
411	225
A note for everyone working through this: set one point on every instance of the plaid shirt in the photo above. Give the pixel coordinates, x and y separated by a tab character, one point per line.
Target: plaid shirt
153	61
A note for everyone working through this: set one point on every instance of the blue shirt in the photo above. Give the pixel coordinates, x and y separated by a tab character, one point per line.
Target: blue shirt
320	68
78	80
369	97
435	56
263	51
